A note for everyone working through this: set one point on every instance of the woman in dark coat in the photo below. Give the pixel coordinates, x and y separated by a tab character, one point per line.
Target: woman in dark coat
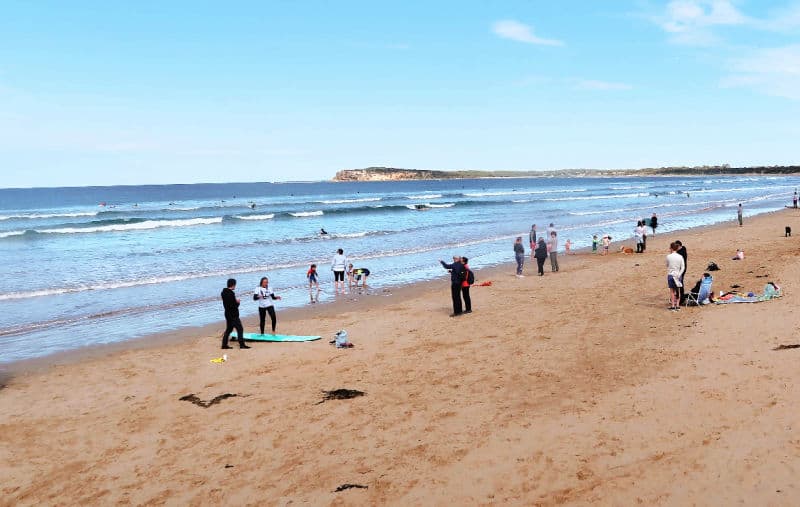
541	254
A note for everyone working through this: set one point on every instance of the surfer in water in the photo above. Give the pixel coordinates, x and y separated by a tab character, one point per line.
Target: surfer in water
264	295
323	232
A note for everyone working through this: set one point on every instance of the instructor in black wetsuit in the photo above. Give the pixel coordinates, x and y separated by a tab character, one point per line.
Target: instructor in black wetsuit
232	321
456	277
683	253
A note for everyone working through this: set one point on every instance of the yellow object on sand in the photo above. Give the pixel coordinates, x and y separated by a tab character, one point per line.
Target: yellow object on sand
220	359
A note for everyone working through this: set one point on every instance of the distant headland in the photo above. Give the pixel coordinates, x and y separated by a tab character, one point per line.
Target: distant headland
399	174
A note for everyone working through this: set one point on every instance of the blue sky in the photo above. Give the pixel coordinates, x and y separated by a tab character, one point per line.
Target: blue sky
95	93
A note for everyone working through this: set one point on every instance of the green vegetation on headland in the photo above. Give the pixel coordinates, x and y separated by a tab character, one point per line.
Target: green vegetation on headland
397	174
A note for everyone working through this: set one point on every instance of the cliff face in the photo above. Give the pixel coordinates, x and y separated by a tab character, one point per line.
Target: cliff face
387	174
396	174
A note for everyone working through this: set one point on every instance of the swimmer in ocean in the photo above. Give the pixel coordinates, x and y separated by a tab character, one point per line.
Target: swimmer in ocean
323	232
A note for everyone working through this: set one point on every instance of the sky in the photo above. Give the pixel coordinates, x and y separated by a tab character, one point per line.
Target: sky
106	93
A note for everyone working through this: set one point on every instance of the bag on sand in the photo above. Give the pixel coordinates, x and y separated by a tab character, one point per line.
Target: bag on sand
340	340
712	266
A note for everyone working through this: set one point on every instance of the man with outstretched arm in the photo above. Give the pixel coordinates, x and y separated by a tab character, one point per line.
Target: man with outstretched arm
456	277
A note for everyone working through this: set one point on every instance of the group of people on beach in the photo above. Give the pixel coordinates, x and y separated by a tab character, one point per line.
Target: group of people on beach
265	297
341	269
262	294
541	247
461	278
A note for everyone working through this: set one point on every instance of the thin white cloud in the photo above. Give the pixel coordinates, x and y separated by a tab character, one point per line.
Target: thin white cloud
692	22
695	22
520	32
773	71
593	84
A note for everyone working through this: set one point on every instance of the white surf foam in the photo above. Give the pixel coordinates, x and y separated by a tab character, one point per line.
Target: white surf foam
138	226
345	201
301	214
424	196
523	192
255	217
48	215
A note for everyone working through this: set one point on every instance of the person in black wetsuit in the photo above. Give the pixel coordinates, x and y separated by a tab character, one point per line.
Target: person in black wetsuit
231	304
456	277
682	253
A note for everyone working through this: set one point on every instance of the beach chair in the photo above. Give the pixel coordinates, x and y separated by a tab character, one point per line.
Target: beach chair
702	295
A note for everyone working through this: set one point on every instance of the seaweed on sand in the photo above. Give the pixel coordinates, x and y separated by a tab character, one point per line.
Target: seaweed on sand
192	398
341	394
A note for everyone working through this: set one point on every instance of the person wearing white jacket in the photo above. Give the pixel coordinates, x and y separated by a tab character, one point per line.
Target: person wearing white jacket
675	269
338	266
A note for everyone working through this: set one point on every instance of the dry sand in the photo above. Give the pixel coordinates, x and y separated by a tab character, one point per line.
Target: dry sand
574	388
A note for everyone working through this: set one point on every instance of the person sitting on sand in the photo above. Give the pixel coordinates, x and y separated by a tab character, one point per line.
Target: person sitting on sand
739	255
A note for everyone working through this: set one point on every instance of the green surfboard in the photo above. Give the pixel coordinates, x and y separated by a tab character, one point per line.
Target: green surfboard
255	337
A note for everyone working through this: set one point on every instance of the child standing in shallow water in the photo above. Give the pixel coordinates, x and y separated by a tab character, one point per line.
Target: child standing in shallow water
594	243
568	247
313	282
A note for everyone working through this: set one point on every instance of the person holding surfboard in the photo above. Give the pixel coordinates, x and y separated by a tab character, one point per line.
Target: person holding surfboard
264	295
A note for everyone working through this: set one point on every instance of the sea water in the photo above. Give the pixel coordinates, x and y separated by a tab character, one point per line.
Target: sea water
84	266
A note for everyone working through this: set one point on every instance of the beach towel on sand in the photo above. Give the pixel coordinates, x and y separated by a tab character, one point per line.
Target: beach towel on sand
770	292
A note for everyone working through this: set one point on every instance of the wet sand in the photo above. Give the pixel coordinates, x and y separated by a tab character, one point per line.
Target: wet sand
573	388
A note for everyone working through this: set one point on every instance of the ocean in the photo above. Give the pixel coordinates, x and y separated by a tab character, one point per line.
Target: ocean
95	265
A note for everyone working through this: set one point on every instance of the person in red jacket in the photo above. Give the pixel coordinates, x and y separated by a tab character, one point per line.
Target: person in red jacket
465	287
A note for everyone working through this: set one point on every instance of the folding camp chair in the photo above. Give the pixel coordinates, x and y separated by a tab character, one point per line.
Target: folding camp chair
696	299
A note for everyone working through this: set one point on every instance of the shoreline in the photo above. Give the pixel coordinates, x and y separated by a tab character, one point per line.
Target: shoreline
188	335
573	388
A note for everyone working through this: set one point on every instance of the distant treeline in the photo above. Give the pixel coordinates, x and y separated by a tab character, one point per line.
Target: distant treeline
394	173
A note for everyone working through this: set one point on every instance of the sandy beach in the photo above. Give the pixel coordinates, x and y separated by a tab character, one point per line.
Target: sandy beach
574	388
